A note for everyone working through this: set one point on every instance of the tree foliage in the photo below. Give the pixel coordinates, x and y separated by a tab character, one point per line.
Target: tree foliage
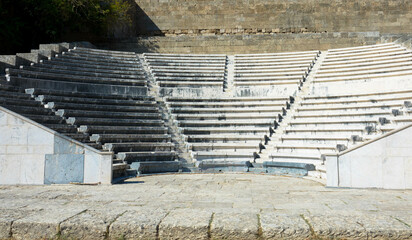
26	23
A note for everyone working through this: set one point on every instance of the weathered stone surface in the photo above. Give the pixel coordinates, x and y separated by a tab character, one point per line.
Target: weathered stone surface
276	225
90	224
234	226
137	224
185	224
7	217
43	224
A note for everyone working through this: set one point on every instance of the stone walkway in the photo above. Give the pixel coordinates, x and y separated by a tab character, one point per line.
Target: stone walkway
204	206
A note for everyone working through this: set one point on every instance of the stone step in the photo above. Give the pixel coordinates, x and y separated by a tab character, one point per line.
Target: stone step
95	107
139	147
190	71
76	52
371	95
44	119
258	78
227	116
267	83
359	48
152	61
112	121
62	128
97	101
382	61
163	64
118	75
225	130
350	106
342	122
290	63
59	62
276	54
28	109
369	57
324	129
197	78
344	114
362	50
272	67
295	155
70	78
222	146
266	75
235	104
269	70
213	123
309	58
14	95
364	54
122	129
188	75
105	52
156	167
52	92
191	84
70	60
184	55
224	138
306	146
107	114
230	100
6	101
383	74
147	156
88	69
359	99
119	138
97	59
357	69
184	68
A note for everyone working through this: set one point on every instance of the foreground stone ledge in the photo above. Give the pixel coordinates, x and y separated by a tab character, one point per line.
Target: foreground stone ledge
186	224
234	226
44	224
276	225
137	224
90	224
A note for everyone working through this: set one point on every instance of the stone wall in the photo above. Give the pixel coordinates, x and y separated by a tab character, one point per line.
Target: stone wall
273	16
385	162
243	43
33	154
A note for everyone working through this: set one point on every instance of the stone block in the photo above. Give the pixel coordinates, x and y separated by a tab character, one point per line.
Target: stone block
234	226
91	224
283	226
64	168
43	224
185	224
137	224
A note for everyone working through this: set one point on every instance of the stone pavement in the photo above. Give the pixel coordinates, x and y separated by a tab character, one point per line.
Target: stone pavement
204	206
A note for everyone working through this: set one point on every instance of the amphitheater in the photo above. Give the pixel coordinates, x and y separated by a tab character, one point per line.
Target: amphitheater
213	131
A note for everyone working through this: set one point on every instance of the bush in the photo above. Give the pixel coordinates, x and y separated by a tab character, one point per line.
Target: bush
26	23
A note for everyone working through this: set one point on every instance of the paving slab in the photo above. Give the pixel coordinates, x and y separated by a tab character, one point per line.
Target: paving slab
91	224
275	225
44	224
185	224
199	206
234	226
137	224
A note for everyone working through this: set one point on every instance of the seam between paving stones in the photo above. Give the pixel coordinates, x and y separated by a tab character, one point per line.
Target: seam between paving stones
107	234
209	227
259	223
399	220
158	226
59	233
312	231
367	233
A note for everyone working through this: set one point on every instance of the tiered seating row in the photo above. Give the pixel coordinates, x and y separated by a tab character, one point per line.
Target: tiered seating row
377	61
273	69
327	124
179	70
224	129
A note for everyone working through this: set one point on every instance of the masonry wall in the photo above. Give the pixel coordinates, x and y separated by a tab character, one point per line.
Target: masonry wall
384	163
33	154
277	16
243	43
